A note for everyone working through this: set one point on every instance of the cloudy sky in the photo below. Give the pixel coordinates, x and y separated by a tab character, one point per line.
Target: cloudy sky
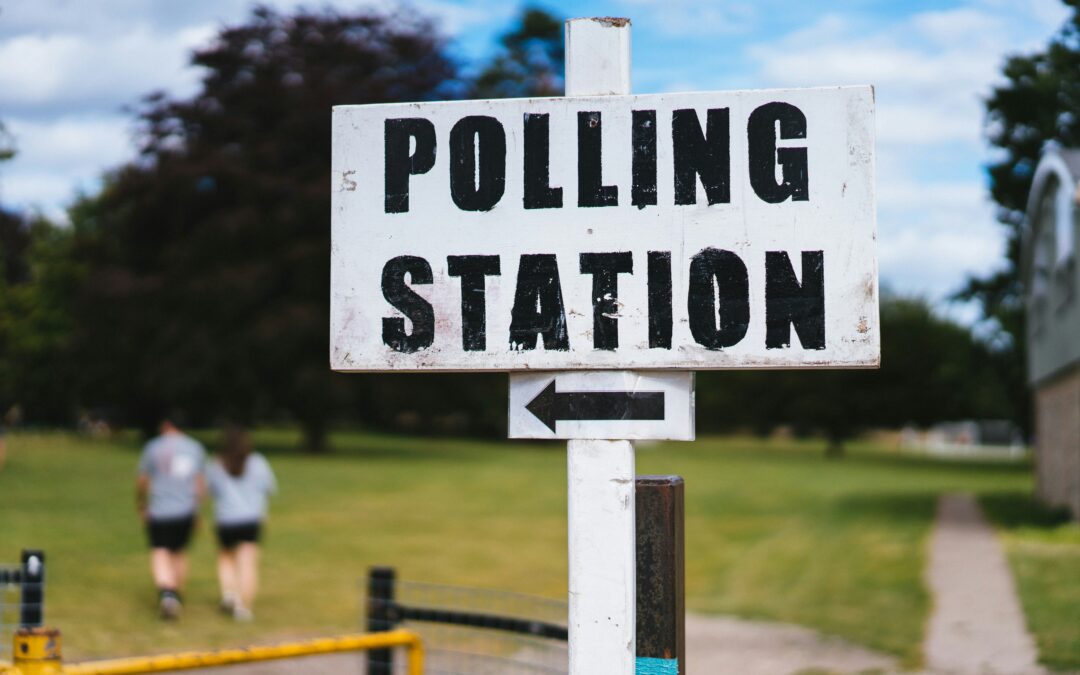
68	69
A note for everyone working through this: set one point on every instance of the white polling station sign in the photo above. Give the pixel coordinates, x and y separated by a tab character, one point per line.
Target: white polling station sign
673	231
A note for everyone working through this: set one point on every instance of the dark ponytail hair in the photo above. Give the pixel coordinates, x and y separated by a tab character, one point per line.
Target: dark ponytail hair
235	448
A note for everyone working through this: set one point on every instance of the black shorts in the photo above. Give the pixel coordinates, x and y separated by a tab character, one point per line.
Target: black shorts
231	535
173	533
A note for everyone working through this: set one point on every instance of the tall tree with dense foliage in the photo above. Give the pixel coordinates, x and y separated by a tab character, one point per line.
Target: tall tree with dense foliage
1039	102
37	282
14	269
530	61
207	258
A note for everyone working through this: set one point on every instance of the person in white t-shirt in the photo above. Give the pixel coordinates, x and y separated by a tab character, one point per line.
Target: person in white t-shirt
167	495
240	482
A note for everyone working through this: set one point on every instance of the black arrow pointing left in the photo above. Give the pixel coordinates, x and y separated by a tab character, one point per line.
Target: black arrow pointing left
550	406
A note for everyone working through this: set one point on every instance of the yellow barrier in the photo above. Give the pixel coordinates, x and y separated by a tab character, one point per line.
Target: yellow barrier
36	652
225	657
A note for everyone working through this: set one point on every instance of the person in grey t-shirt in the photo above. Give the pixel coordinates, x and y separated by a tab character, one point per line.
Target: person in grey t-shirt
240	481
168	491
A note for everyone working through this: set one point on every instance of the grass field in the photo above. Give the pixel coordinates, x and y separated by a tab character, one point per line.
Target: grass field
1044	553
773	531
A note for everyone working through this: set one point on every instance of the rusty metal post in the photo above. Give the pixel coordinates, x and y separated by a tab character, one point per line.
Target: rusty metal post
32	602
381	616
37	651
661	610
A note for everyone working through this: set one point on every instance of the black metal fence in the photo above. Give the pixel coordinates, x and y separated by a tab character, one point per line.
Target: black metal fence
467	630
22	597
540	623
483	619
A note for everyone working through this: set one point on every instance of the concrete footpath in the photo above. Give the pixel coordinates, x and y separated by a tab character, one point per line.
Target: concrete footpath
714	646
730	646
977	625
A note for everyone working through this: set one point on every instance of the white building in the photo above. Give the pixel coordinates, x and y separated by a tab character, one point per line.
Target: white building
1051	247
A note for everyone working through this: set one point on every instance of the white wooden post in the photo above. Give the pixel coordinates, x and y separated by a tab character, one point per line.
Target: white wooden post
602	557
600	474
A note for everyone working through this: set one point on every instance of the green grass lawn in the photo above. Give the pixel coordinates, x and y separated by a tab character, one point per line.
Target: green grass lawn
1044	552
773	531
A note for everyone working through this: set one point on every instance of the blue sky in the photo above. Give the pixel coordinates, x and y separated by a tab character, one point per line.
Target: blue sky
69	67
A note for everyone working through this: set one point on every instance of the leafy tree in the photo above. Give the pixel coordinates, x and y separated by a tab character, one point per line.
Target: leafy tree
1039	102
36	328
931	370
207	258
14	240
36	285
531	61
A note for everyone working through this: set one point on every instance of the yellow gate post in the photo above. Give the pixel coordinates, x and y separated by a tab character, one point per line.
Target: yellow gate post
37	652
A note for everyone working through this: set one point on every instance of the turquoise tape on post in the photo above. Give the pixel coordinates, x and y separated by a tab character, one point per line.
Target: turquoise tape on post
648	666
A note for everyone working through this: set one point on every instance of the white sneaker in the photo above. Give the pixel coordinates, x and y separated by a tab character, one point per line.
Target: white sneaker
228	603
170	607
242	614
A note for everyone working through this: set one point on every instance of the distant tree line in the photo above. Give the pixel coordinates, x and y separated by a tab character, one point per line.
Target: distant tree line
198	277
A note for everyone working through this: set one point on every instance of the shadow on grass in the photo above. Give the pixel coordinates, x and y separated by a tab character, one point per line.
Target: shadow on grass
1007	509
890	506
1015	510
811	451
961	465
375	446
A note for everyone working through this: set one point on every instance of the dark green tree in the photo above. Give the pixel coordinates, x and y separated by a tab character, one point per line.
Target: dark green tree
36	328
1039	102
14	270
530	62
932	370
207	258
37	280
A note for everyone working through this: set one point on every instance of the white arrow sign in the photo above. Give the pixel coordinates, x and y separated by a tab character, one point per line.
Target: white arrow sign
606	404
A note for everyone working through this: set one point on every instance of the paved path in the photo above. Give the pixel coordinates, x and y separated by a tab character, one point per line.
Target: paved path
728	646
714	645
977	625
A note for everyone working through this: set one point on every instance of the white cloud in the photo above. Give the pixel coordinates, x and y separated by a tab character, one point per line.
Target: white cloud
931	235
925	95
933	259
78	142
47	73
682	18
455	19
56	55
931	71
46	193
58	158
933	230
